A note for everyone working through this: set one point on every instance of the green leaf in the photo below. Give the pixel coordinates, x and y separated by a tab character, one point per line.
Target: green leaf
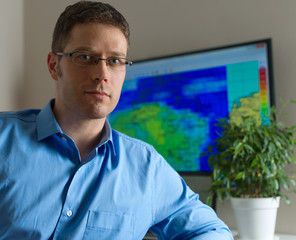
209	200
239	176
238	148
254	162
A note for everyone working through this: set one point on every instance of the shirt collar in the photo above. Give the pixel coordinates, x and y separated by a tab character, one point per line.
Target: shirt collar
107	136
47	126
46	122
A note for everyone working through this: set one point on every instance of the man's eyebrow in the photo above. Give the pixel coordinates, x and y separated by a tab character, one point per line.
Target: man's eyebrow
83	49
92	51
118	54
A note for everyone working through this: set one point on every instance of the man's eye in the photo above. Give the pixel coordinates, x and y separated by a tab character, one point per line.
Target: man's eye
84	57
114	61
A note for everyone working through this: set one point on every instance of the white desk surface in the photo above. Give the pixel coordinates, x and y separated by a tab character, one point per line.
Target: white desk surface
277	236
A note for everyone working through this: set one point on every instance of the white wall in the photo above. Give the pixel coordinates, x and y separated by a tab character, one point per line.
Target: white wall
12	53
158	27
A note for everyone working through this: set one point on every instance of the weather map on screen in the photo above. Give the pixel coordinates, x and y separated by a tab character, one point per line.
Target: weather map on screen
174	102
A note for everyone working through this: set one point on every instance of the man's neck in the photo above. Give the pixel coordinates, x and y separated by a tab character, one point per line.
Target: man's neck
86	133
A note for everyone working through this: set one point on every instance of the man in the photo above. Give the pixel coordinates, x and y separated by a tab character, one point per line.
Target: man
65	174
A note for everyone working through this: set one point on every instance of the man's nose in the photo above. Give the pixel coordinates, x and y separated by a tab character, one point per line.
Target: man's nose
100	71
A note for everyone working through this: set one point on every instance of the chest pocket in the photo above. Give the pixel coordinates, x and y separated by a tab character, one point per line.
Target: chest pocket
109	225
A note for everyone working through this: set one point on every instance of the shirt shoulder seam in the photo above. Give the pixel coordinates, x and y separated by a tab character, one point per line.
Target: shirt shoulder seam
136	141
30	117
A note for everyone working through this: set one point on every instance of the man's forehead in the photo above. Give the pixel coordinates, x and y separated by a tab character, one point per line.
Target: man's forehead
91	37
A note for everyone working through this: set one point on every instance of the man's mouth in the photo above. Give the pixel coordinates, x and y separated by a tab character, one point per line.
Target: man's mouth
97	94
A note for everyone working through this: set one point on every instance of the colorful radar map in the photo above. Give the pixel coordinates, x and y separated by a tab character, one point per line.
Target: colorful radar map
177	112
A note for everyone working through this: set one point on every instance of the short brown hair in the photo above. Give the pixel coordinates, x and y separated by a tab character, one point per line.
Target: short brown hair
86	12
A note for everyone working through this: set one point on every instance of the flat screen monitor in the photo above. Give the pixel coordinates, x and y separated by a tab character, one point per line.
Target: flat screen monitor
173	102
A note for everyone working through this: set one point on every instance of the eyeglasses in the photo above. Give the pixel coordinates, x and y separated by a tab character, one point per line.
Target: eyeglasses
86	59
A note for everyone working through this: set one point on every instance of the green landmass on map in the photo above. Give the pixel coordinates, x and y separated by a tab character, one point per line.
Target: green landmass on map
179	135
159	125
249	106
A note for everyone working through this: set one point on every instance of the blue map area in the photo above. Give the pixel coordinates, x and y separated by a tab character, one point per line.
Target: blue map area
176	113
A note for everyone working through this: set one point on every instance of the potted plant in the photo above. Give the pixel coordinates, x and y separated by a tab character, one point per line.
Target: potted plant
249	161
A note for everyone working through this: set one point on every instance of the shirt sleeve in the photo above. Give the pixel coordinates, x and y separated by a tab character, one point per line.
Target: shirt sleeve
177	211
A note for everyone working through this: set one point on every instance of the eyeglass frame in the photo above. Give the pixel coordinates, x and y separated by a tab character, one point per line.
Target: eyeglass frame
127	62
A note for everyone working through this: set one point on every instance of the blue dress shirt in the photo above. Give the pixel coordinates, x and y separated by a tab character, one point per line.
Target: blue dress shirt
122	188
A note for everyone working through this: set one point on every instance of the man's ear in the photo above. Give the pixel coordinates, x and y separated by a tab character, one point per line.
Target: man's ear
52	64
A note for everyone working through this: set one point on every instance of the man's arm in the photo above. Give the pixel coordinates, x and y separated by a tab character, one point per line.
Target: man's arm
178	212
192	221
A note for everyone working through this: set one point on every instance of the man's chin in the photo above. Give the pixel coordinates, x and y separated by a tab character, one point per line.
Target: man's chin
95	114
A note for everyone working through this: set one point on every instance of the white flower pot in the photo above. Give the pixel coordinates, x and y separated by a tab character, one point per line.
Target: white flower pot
255	217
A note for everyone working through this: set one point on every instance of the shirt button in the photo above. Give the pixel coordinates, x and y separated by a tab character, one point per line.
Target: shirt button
64	139
69	213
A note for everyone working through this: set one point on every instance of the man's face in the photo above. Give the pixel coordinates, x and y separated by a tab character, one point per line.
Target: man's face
90	92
